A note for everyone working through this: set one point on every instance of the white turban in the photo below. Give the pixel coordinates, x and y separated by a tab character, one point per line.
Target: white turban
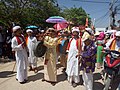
118	33
89	30
29	30
75	29
16	28
42	31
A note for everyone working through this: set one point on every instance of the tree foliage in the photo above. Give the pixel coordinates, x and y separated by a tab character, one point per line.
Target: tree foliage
35	12
76	15
26	12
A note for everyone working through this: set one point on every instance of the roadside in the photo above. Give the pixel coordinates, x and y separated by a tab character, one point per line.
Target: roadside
8	82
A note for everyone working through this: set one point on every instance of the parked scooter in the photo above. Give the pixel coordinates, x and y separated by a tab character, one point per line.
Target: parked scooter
112	69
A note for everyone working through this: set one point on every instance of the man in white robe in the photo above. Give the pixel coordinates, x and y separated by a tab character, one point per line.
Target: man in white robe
20	48
31	43
72	61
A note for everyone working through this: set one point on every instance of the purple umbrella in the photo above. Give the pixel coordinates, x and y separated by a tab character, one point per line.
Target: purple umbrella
56	19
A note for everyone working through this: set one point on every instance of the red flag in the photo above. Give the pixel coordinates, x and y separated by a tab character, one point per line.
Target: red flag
86	24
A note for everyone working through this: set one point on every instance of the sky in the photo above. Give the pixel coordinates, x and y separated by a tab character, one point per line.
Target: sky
99	12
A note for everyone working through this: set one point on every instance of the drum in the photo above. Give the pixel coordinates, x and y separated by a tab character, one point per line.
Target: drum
40	49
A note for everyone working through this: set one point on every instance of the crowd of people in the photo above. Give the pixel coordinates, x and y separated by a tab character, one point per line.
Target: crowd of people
5	44
76	50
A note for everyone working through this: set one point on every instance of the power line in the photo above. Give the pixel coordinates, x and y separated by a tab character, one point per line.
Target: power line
101	23
113	12
99	11
95	1
102	16
101	20
116	1
91	1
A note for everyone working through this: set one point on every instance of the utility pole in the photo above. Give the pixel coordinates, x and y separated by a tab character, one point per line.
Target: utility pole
113	12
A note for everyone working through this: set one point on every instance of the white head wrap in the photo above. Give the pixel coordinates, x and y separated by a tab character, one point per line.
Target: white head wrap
89	30
29	30
16	28
77	30
42	31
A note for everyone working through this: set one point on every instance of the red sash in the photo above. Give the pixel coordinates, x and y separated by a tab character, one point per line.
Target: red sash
20	41
78	44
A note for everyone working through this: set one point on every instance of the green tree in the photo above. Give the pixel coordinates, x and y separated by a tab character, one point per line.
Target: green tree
76	15
25	12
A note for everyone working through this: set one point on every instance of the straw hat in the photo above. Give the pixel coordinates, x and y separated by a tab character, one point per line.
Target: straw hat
86	37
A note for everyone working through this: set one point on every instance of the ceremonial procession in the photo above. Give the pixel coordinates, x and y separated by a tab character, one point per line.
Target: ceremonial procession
43	46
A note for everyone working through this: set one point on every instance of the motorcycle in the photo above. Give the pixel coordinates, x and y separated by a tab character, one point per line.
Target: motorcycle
112	69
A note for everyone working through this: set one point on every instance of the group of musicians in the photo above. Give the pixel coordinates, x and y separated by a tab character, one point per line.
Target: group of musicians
67	46
24	48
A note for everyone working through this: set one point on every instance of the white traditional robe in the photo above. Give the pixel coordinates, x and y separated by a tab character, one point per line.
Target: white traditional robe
21	59
31	43
72	63
88	80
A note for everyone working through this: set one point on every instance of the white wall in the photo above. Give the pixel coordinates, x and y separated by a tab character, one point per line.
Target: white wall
100	29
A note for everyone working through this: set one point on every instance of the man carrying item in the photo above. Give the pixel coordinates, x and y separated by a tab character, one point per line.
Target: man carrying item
88	62
50	70
74	48
20	48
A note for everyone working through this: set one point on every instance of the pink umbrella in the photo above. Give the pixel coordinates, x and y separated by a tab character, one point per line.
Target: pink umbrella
60	26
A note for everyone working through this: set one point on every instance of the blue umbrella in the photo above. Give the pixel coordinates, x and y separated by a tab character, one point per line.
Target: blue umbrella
31	27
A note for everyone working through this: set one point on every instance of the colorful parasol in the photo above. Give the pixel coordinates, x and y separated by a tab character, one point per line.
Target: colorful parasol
56	19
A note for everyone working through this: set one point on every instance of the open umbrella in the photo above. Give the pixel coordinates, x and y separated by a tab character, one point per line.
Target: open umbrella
32	27
56	19
60	26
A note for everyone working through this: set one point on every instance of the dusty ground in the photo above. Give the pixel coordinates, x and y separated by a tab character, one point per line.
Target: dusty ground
8	82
